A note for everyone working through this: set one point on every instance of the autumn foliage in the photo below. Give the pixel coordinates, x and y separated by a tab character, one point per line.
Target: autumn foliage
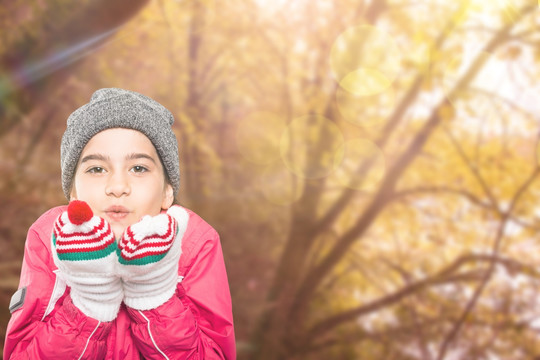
371	166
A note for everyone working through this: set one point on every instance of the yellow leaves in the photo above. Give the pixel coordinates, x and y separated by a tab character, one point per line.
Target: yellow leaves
512	53
218	65
446	112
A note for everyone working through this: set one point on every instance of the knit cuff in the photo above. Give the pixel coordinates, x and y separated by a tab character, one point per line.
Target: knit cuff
148	255
145	297
101	308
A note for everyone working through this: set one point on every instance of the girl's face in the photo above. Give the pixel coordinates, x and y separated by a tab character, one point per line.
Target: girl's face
121	177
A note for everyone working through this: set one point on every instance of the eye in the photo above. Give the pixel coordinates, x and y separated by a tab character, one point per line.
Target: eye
96	170
139	169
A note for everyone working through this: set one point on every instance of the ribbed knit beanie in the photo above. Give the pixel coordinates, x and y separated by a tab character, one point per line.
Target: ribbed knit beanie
119	108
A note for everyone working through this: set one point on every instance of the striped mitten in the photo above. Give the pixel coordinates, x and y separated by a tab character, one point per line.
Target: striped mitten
148	254
83	249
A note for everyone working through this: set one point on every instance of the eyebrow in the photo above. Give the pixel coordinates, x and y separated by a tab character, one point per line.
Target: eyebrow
133	156
94	157
136	156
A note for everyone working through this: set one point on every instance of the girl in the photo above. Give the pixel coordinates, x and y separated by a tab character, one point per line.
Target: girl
121	273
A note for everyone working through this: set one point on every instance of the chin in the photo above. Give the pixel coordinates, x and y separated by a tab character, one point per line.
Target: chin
118	233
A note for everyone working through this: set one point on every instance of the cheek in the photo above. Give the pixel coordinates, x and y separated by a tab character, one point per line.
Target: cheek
82	190
78	188
74	194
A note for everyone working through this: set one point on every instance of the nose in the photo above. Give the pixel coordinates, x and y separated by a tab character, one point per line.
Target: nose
117	185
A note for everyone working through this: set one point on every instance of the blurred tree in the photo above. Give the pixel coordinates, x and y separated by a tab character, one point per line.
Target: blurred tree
298	282
370	165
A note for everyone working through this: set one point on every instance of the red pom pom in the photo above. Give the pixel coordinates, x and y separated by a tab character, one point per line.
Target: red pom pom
79	212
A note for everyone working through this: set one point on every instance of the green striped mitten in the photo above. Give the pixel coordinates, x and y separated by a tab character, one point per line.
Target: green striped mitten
148	254
83	249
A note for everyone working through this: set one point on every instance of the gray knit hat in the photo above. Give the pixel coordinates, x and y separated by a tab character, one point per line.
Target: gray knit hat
118	108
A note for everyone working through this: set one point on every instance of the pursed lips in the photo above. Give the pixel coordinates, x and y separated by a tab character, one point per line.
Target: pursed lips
117	212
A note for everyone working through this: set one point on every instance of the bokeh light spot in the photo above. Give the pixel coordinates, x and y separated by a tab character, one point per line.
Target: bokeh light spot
365	82
258	137
363	165
309	146
364	60
365	110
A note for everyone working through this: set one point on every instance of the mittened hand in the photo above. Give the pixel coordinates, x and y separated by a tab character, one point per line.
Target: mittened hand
83	249
93	265
148	255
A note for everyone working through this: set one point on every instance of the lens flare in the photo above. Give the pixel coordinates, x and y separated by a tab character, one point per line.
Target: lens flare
31	72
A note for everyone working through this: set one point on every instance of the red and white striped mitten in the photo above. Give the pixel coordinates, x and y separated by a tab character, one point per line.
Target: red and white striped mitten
83	249
148	256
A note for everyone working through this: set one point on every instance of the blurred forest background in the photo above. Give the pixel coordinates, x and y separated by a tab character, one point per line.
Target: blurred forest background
371	165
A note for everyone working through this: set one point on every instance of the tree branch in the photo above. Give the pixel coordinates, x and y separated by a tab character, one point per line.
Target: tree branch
397	196
315	276
447	275
331	215
496	245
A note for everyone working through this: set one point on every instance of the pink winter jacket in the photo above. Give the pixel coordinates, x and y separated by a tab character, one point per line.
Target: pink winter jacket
196	323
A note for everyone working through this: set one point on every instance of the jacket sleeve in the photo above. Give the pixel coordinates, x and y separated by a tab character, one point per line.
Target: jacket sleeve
44	328
197	322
